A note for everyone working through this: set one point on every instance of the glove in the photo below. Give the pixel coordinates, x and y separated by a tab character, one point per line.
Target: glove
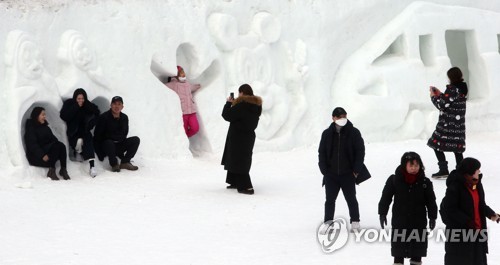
383	221
432	224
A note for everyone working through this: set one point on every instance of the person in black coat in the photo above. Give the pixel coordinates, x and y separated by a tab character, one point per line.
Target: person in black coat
449	135
43	149
341	157
243	116
414	201
464	211
80	116
110	137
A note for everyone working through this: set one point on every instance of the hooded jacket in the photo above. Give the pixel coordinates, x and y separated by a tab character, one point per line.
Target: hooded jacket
39	139
457	213
184	90
79	120
341	153
243	117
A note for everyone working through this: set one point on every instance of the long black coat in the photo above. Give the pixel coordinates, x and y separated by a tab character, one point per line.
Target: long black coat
79	120
38	139
341	152
243	116
457	212
413	203
449	135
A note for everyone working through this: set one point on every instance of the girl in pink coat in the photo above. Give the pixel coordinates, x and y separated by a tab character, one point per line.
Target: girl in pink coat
185	90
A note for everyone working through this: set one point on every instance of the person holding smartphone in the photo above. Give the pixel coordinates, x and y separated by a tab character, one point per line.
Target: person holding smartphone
243	115
449	135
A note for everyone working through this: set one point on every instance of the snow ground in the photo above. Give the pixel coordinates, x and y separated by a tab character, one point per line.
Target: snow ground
179	212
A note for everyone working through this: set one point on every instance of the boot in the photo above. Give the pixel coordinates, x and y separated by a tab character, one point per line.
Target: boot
64	173
52	174
128	166
443	170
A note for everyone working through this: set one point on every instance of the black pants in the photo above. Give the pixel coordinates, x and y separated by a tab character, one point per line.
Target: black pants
56	153
475	255
125	150
333	184
442	158
240	181
402	260
87	147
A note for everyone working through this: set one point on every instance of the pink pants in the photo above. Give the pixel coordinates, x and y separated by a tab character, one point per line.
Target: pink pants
190	124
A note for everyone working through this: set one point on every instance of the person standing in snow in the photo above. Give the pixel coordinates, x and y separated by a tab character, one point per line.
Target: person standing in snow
449	135
80	116
341	160
43	149
414	200
185	90
110	137
243	115
464	211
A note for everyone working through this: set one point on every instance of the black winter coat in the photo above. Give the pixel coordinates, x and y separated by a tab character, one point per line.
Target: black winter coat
110	128
449	135
341	153
38	139
243	117
457	212
79	120
413	203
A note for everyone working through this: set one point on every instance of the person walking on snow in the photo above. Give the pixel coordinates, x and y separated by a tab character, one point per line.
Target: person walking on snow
341	160
185	90
449	135
414	201
80	116
464	212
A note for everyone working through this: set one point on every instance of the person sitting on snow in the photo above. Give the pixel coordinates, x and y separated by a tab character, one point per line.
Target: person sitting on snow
110	137
80	115
43	149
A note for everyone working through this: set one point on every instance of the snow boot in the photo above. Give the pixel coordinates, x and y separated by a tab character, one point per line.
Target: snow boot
443	170
52	174
128	166
64	173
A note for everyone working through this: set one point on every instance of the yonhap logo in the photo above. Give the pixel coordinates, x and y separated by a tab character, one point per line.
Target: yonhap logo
333	235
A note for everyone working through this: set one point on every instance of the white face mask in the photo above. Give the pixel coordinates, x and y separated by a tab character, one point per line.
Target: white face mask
182	79
341	121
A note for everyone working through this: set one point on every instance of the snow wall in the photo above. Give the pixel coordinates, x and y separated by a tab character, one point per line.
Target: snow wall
374	58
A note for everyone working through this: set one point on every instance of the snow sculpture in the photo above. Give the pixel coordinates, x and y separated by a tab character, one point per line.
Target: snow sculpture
260	59
389	76
80	68
27	85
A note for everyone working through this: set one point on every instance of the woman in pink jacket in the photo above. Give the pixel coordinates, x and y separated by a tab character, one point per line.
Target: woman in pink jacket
185	90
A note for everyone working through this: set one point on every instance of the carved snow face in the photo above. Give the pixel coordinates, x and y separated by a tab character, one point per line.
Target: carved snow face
30	61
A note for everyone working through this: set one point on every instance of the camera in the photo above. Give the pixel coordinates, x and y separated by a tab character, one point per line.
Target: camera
231	95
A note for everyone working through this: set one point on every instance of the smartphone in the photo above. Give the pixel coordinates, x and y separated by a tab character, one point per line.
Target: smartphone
231	95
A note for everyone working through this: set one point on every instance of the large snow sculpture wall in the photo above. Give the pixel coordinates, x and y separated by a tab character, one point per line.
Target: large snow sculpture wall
303	57
385	83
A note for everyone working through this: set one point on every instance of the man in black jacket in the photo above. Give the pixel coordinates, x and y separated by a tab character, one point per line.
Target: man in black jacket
110	137
341	157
